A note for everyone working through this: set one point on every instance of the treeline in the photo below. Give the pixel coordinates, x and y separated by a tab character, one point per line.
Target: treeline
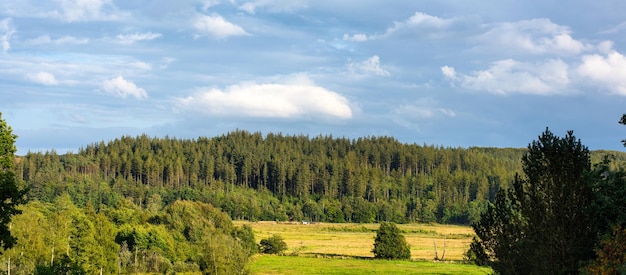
61	238
276	177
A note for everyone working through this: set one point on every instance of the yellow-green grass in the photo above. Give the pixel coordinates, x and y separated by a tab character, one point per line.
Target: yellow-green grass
272	264
357	240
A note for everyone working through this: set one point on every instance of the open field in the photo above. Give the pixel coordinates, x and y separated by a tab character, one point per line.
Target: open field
357	240
271	264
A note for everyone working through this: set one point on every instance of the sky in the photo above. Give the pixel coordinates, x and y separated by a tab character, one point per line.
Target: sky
441	72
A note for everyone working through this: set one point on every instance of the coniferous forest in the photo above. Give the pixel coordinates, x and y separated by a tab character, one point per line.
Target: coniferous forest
143	204
276	177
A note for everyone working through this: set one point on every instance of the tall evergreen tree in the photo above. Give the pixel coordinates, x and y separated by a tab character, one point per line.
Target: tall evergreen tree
545	223
390	243
10	194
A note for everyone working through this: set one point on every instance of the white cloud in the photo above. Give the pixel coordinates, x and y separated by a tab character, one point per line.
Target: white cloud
127	39
296	100
217	26
510	76
536	36
419	25
423	20
87	10
209	3
273	5
123	88
413	114
141	65
370	66
6	30
46	39
607	71
449	72
359	37
43	78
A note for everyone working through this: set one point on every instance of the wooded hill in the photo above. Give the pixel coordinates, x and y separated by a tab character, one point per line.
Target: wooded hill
277	177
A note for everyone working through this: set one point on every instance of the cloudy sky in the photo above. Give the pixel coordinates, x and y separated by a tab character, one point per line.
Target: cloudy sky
443	72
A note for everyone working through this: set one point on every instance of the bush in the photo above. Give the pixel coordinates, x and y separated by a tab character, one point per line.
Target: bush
273	245
390	243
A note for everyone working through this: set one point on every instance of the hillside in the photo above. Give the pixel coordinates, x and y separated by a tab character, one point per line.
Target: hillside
275	177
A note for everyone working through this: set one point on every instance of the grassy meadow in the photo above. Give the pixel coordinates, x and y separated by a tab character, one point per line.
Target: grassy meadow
345	248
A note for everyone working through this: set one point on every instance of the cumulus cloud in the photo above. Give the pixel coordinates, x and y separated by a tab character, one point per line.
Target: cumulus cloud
6	31
43	78
510	76
127	39
65	40
370	66
123	88
536	36
607	71
271	100
216	26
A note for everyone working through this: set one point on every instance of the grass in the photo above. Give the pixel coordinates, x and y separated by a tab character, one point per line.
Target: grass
357	240
327	248
272	264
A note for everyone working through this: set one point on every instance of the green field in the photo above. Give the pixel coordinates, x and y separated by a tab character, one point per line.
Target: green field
328	248
271	264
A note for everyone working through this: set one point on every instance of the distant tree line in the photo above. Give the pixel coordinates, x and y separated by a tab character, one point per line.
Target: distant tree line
276	177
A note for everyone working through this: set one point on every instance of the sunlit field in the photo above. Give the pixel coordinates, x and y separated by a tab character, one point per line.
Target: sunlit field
357	240
271	264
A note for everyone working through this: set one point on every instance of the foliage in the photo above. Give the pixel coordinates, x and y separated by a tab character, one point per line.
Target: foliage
10	194
64	266
221	254
544	224
611	257
390	243
245	236
273	245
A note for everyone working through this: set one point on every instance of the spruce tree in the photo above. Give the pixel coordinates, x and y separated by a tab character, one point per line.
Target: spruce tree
390	243
545	224
10	194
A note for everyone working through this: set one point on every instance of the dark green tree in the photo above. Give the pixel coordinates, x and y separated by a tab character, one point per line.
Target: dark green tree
545	224
390	243
10	194
273	245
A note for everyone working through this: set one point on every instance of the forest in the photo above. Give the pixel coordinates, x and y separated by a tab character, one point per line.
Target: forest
146	204
276	177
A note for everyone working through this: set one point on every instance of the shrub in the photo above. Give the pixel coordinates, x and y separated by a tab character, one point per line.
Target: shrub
390	243
273	245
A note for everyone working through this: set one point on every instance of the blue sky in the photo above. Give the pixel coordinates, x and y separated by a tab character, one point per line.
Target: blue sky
451	73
